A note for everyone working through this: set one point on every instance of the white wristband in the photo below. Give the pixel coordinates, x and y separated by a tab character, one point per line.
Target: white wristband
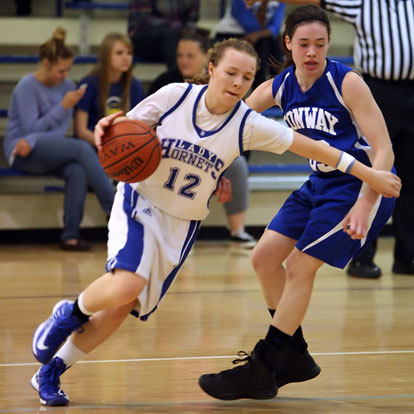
345	162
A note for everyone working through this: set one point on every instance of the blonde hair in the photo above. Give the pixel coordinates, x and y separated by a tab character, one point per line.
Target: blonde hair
102	71
216	54
55	48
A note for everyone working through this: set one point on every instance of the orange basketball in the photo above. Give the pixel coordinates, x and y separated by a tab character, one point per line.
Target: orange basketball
131	151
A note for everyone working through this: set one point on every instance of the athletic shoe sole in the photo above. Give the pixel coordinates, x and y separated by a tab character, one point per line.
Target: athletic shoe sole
254	395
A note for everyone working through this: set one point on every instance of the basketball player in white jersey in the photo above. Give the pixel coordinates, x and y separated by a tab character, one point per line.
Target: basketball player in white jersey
330	103
154	223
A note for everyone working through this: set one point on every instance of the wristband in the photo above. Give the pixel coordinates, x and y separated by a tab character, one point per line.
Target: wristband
345	162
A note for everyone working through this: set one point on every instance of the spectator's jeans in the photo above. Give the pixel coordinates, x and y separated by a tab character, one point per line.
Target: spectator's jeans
77	163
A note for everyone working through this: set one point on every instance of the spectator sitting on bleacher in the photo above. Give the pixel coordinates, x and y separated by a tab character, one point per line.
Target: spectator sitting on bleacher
110	86
155	27
39	115
192	58
259	25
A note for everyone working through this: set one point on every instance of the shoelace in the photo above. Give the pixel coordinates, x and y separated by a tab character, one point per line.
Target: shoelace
64	324
245	357
51	319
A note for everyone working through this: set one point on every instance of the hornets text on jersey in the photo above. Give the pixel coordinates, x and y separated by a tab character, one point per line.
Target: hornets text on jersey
197	146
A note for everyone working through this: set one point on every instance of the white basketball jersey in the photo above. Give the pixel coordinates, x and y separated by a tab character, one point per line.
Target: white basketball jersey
197	147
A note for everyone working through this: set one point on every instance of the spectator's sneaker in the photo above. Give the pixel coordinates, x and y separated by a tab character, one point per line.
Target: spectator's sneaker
252	380
47	382
243	239
51	334
295	366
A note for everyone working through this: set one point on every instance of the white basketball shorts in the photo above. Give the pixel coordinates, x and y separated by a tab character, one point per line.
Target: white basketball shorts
149	242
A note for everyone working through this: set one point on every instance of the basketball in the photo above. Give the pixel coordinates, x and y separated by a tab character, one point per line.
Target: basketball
131	151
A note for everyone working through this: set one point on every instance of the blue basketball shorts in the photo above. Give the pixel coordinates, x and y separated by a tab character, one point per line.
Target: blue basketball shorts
313	215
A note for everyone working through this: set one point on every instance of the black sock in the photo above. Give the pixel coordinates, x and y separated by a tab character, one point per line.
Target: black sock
277	338
298	341
78	313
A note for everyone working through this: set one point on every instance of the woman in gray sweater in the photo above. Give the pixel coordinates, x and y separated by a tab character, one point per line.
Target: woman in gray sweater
39	115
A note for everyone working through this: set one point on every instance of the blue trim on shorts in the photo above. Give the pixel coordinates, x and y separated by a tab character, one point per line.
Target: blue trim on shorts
129	257
188	244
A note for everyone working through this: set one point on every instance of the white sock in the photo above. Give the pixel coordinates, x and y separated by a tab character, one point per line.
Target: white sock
82	307
70	353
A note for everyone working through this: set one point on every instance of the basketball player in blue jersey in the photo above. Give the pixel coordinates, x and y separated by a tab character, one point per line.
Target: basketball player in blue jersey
328	220
154	223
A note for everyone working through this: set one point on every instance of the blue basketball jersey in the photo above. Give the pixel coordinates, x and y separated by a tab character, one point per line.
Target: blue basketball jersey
320	112
313	215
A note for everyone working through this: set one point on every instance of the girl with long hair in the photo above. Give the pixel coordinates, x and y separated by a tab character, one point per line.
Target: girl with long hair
110	86
328	220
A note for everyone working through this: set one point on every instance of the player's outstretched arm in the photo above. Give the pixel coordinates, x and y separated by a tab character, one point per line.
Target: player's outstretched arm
104	123
383	182
261	98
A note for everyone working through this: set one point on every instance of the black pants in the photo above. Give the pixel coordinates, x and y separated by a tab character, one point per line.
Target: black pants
396	101
157	44
23	7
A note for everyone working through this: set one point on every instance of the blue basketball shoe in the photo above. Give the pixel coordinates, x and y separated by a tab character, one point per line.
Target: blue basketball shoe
47	382
51	334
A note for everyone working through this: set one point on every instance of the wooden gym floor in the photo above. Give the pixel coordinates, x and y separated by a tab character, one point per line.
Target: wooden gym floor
360	332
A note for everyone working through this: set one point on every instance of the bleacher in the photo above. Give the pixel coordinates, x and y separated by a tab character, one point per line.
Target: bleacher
23	197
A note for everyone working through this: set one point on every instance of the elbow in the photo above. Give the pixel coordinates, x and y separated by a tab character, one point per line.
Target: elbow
386	158
390	156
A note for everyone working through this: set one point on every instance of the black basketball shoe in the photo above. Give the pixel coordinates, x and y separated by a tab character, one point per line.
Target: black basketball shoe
255	379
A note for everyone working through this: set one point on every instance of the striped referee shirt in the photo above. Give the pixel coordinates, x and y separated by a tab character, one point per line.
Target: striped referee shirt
384	35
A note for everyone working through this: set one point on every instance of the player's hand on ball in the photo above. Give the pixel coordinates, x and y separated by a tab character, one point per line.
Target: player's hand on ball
223	192
131	150
104	123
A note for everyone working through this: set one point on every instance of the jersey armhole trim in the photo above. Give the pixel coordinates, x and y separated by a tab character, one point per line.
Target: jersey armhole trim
243	122
178	103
